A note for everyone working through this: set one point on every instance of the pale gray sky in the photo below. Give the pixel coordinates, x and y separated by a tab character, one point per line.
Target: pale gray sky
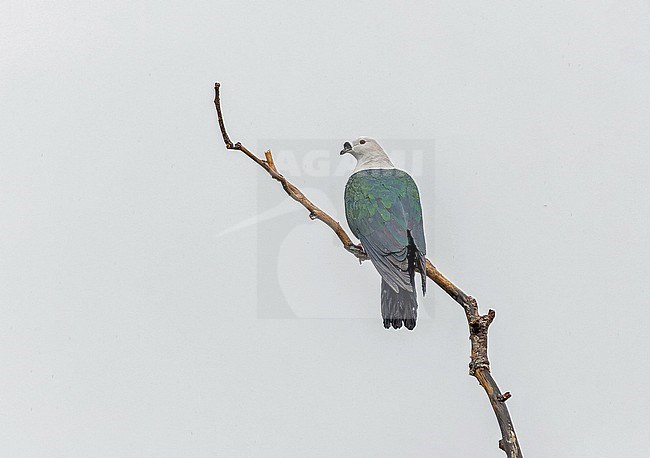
134	324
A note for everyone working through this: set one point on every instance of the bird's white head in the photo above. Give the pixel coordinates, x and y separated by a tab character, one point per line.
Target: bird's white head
368	153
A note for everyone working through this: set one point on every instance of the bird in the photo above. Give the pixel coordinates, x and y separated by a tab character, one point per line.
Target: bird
383	210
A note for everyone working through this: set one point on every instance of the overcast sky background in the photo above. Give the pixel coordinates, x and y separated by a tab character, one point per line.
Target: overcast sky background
134	324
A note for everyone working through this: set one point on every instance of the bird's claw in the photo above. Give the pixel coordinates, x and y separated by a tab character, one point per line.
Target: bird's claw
359	252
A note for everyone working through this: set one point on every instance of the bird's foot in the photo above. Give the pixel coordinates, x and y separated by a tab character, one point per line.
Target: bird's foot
358	251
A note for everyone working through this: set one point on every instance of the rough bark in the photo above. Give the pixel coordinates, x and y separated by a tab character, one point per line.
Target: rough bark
479	366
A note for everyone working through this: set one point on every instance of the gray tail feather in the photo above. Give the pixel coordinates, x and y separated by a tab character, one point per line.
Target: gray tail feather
398	307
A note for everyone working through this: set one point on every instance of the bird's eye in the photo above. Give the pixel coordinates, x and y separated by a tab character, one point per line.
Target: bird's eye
363	142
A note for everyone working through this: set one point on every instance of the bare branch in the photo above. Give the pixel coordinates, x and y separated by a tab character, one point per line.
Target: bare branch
478	324
291	189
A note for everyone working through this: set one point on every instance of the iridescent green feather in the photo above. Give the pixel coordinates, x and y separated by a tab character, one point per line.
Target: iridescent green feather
385	203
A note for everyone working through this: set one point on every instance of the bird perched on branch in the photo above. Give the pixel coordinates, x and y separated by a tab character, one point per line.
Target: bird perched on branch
382	206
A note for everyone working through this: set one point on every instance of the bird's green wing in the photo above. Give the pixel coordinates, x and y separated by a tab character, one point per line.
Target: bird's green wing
383	210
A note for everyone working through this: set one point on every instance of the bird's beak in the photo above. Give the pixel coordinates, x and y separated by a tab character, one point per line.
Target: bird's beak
346	148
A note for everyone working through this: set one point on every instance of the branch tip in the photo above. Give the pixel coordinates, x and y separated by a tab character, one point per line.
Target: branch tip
504	397
269	160
490	316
